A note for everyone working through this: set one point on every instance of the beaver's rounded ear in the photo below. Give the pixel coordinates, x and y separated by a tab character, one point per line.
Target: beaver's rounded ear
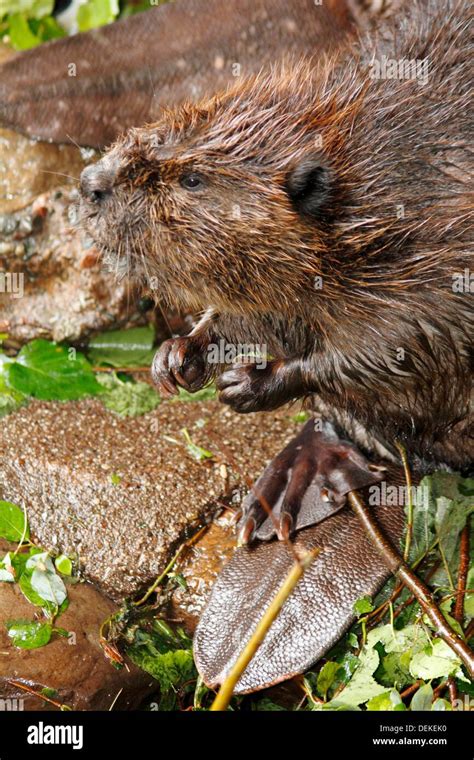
309	187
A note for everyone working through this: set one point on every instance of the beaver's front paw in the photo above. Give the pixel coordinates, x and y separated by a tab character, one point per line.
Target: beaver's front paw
252	388
180	362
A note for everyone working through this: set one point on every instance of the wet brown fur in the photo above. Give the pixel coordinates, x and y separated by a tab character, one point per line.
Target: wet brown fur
240	245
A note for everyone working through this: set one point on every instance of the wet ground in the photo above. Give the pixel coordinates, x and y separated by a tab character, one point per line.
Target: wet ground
121	494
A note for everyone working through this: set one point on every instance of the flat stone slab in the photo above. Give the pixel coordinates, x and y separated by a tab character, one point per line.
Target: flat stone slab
120	495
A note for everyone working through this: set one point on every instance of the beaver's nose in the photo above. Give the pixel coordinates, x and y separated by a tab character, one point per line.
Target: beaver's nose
97	182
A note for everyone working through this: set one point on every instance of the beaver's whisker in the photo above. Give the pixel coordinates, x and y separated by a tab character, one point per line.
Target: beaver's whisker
60	174
74	142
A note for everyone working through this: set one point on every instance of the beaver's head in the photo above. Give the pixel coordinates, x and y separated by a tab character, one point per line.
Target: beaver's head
228	203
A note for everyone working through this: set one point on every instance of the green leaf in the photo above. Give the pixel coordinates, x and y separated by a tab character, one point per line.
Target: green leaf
455	625
394	670
441	705
197	452
49	692
13	525
363	605
128	399
27	634
21	36
326	677
422	699
389	700
10	400
352	640
384	646
442	502
300	417
19	560
49	608
362	686
435	661
63	565
32	8
398	649
164	653
62	632
169	669
205	394
7	570
45	581
51	372
47	28
123	348
348	664
96	13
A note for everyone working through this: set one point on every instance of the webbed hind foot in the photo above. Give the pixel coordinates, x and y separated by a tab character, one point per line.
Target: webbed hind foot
305	483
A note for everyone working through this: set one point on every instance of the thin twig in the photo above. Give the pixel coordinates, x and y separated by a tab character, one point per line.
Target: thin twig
115	699
121	369
169	566
462	573
423	595
225	692
408	481
38	694
453	691
412	598
411	689
378	614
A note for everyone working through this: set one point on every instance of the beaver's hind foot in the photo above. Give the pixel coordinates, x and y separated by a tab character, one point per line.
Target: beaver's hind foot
305	483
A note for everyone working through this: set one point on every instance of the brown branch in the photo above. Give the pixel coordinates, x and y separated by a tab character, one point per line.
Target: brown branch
453	692
462	574
408	481
38	694
411	689
422	593
121	369
412	598
377	615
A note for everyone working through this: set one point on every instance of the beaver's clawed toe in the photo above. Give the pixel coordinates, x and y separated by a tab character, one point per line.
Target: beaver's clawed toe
253	387
304	484
180	362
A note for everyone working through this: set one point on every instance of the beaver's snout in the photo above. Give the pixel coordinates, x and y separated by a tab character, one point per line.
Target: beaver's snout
97	181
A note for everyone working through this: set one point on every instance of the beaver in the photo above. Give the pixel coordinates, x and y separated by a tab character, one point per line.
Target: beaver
320	209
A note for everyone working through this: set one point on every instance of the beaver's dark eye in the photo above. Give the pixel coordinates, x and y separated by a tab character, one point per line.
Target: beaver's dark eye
191	181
